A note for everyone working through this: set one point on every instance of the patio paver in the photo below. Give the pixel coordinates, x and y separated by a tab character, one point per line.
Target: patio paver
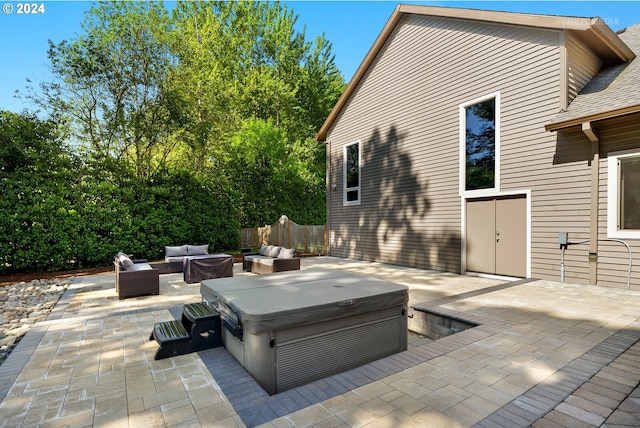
544	354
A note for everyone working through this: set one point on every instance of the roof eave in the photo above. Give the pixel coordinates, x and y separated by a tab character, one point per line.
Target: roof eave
605	42
558	126
362	69
603	34
499	17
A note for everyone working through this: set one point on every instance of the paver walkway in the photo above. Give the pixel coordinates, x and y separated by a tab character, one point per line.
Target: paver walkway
544	354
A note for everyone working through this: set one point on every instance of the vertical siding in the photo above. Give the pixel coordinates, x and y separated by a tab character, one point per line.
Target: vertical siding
582	65
406	112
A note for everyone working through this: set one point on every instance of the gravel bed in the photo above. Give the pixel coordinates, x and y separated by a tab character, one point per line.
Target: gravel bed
22	305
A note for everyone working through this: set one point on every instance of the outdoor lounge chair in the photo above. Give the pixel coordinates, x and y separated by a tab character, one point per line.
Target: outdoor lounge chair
135	277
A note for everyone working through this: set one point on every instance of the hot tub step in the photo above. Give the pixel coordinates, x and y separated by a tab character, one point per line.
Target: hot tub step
172	338
199	329
203	324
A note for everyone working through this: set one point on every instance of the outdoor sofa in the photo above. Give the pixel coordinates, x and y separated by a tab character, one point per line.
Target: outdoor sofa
271	258
135	277
174	256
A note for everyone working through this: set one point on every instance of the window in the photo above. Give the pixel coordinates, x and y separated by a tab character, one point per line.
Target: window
479	148
623	211
352	164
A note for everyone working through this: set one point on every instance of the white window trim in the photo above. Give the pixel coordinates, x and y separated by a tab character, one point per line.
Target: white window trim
612	195
463	147
344	175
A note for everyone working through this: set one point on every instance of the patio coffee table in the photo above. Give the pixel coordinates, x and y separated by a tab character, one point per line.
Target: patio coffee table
197	268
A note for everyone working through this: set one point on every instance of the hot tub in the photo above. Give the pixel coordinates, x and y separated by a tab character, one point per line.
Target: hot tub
291	328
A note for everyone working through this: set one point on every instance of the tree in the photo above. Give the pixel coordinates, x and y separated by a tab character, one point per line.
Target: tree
261	168
202	87
110	83
320	87
272	177
240	61
143	91
30	145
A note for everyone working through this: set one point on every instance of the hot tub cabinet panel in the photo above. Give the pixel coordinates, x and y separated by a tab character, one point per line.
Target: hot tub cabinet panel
312	328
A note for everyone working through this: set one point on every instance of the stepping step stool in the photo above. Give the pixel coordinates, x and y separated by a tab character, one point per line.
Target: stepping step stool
204	326
198	330
172	338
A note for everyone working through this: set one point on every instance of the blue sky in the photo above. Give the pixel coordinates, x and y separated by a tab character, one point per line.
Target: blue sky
352	27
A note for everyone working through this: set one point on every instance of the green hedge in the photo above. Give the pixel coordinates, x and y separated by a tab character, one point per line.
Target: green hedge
48	227
58	212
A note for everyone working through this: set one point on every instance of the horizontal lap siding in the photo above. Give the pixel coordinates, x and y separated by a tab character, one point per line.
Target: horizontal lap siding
613	259
406	113
582	65
565	207
561	203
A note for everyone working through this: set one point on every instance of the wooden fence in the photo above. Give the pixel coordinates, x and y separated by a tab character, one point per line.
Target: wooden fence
304	238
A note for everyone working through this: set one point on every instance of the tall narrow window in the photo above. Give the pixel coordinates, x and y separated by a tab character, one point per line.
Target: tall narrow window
352	162
480	145
623	212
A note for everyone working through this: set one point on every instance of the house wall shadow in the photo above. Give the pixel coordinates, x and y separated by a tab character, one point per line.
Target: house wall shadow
572	146
393	219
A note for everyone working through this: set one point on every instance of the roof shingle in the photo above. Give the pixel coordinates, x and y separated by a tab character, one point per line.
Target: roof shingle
614	89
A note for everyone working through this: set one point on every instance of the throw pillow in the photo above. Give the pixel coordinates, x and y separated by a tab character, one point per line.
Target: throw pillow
275	250
124	260
263	250
287	253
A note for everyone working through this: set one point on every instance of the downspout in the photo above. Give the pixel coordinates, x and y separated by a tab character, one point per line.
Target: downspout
590	133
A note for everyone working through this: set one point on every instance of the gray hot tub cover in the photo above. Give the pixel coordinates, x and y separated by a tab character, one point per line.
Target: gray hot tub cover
274	302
